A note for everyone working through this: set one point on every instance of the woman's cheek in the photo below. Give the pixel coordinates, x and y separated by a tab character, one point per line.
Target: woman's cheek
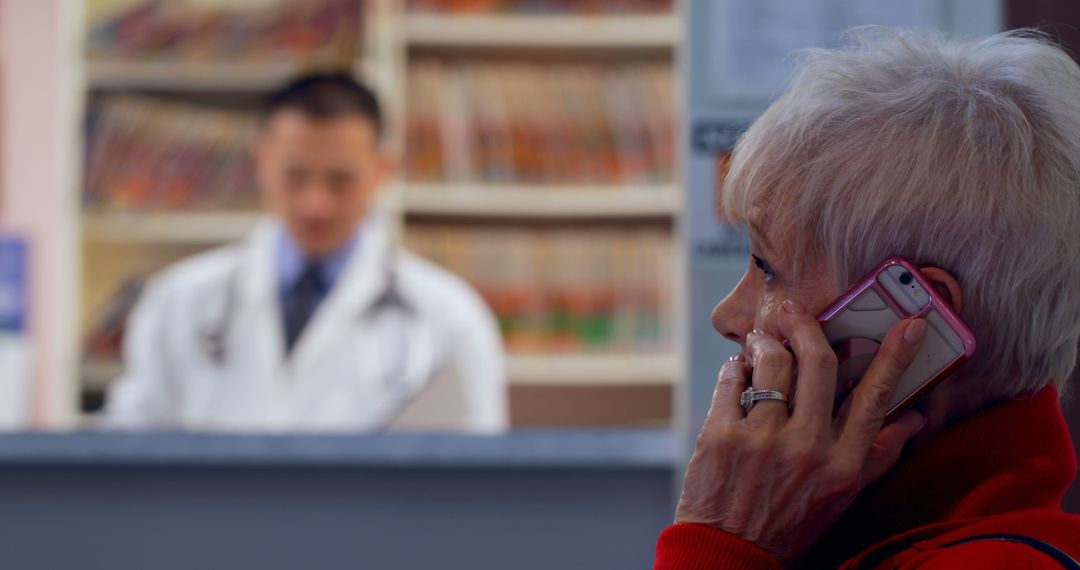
768	310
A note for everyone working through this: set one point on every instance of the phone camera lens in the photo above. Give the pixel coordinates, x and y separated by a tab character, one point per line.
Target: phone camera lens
905	278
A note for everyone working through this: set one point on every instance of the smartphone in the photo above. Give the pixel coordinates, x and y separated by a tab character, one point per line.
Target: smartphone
857	322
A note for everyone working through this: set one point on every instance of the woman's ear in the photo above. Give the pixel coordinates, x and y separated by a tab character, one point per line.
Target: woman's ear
946	285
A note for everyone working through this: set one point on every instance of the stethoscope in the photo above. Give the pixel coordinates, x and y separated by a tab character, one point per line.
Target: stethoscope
390	300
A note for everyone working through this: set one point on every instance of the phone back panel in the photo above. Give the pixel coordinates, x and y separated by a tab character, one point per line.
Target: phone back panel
858	322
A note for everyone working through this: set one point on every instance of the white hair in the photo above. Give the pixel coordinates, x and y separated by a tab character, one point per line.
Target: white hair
958	155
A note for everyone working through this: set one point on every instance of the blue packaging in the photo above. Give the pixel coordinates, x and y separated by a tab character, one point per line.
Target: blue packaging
13	276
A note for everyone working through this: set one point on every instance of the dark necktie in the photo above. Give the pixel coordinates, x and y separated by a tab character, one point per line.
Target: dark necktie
300	303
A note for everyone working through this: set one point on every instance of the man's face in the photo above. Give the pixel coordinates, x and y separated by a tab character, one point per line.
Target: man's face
319	176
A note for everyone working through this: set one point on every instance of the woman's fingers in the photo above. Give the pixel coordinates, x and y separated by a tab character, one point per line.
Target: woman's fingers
771	364
730	383
886	448
873	396
815	386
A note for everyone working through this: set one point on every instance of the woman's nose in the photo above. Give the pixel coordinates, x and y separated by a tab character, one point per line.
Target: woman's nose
733	318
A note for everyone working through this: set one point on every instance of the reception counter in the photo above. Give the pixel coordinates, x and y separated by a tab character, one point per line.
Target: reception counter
544	500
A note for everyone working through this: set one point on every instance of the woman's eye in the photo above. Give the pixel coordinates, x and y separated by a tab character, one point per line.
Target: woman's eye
764	267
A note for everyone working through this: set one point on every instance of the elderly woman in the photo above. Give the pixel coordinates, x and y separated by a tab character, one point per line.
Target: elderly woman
964	158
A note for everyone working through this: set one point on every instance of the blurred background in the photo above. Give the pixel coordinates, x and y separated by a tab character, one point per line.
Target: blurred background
538	163
558	155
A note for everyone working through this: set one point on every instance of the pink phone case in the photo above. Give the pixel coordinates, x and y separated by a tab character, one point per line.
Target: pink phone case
857	322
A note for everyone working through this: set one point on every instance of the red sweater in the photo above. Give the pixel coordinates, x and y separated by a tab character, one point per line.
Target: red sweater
1003	470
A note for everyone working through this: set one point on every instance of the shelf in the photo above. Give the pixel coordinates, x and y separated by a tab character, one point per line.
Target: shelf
192	76
543	31
551	202
429	200
169	227
522	370
593	369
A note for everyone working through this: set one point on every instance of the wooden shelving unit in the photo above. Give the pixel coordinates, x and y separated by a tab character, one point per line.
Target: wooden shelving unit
609	370
392	39
184	76
210	228
205	77
570	202
214	227
543	31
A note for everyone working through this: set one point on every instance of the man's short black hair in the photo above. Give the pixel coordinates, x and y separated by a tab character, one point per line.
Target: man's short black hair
326	96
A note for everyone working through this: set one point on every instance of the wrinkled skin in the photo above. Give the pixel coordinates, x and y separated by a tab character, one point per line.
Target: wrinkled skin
780	477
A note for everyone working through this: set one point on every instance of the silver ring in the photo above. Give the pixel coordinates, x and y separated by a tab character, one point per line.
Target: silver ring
750	397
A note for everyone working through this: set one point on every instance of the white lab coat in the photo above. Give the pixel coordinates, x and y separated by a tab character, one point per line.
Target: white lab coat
353	368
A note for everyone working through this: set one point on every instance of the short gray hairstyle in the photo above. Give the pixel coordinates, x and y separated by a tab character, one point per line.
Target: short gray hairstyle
963	155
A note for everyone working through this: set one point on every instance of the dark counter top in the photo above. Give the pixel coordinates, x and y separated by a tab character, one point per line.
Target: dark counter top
622	449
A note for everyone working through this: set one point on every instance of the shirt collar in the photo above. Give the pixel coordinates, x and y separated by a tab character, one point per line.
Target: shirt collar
291	260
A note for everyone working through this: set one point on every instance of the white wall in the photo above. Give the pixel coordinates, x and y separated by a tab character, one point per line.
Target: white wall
38	134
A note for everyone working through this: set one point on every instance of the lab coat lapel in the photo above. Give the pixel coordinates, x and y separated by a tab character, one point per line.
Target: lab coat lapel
339	315
259	286
256	353
260	295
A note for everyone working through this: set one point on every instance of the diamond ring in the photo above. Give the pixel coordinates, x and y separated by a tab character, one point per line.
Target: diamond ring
750	397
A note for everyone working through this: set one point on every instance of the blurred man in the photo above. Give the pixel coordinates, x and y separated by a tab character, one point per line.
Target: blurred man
317	320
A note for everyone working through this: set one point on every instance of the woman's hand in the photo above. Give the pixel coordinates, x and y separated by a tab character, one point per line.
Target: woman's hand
780	479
